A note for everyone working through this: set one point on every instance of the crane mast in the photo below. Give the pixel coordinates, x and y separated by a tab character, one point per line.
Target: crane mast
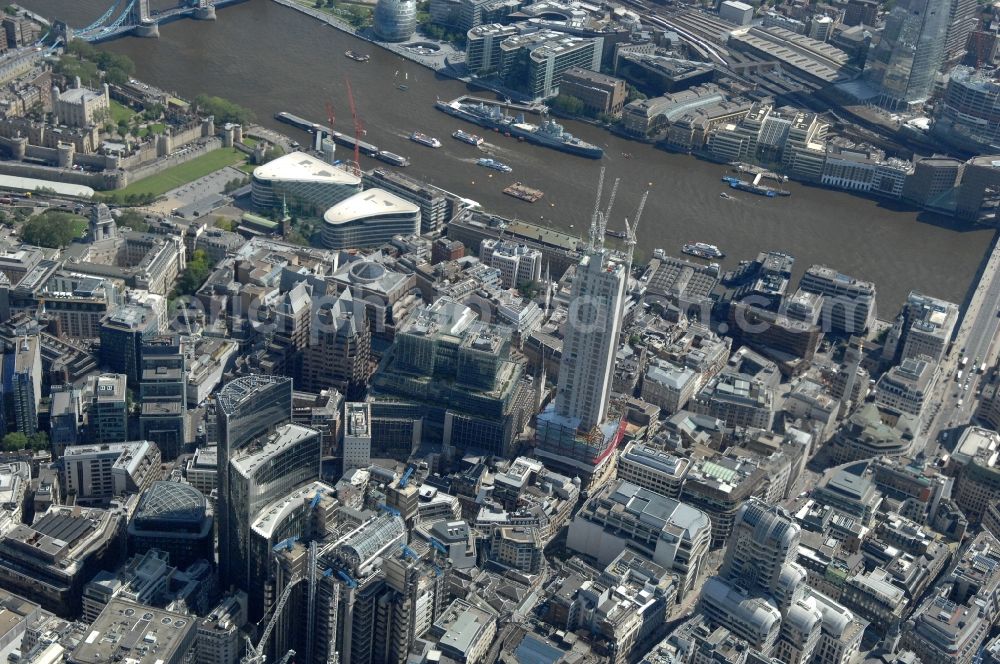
357	128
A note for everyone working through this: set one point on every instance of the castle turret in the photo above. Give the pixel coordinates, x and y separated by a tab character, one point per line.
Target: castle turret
64	155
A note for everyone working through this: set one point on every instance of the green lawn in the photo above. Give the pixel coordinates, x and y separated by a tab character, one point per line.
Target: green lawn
176	176
120	112
155	128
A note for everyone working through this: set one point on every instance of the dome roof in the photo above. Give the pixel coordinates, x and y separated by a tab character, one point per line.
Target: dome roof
171	502
367	271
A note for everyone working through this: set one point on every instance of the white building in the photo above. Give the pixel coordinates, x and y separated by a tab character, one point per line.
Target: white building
669	386
518	264
907	387
736	12
14	480
653	469
670	533
81	107
821	28
201	471
302	182
573	434
591	339
369	219
100	472
357	435
219	637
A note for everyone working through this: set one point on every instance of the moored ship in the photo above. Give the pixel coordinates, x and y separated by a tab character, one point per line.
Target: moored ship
296	121
702	250
550	134
392	158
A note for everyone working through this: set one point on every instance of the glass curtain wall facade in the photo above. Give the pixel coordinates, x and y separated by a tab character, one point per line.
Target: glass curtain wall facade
271	468
905	62
245	408
395	20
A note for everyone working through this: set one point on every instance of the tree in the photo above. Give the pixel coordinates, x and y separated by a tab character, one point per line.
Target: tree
357	16
132	219
38	441
195	274
529	289
53	229
153	112
633	93
224	224
234	184
273	153
14	441
223	109
568	104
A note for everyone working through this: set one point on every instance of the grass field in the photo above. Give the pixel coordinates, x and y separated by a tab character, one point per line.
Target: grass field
120	112
155	128
176	176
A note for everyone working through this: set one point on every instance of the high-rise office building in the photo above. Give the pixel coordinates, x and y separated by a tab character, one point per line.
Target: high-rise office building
357	435
339	352
905	62
106	403
262	473
574	434
22	384
962	20
123	332
163	394
370	597
457	378
245	408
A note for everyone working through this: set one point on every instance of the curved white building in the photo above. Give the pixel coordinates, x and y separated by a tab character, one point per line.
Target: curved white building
302	181
369	219
395	20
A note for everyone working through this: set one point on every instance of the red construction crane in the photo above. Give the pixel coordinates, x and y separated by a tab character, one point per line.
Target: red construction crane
329	114
357	129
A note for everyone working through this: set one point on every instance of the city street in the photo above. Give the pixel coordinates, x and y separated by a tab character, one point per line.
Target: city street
976	338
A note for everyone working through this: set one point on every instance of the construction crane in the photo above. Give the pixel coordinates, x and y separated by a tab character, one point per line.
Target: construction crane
330	117
439	546
357	128
405	479
256	654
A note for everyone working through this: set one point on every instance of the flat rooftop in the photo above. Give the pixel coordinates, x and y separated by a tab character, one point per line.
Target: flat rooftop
142	634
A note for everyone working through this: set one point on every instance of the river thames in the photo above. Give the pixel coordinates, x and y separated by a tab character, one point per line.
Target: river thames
270	58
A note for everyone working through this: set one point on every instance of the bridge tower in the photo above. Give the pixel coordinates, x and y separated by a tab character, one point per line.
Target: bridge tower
204	11
140	12
140	18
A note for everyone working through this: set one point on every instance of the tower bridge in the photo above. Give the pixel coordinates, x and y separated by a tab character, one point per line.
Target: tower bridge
134	17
